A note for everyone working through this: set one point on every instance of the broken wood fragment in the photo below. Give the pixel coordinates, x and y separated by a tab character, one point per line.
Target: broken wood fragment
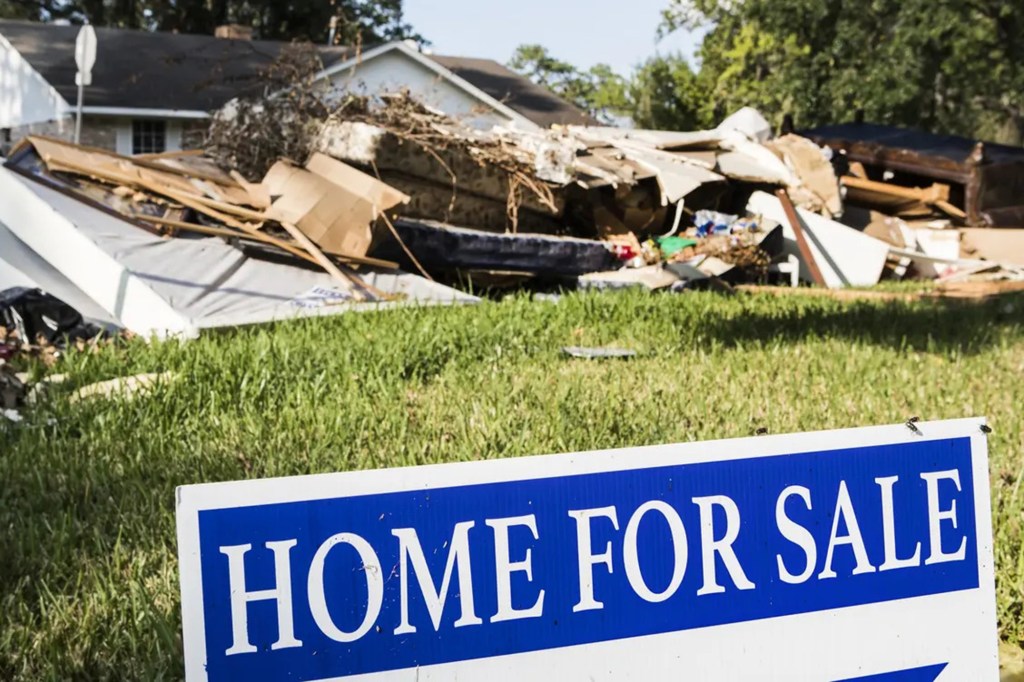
348	280
801	240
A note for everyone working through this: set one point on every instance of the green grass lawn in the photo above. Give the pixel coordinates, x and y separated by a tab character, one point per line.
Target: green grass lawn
88	574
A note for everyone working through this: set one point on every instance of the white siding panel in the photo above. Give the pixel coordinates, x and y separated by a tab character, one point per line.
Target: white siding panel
25	96
394	71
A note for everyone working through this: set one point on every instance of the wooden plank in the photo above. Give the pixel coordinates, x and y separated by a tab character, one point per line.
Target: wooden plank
936	195
194	202
184	200
950	209
233	209
169	154
324	261
142	162
801	239
978	292
261	238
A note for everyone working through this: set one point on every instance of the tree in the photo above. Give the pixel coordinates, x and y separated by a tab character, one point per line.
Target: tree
599	90
661	93
948	65
356	21
13	9
664	93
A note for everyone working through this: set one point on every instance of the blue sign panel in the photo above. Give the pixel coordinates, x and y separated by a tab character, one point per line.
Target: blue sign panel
350	584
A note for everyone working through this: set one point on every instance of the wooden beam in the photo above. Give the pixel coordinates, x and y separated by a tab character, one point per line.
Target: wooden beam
801	240
233	209
936	195
259	237
323	260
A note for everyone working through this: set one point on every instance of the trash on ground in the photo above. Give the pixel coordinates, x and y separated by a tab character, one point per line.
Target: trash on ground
166	250
402	205
122	387
598	353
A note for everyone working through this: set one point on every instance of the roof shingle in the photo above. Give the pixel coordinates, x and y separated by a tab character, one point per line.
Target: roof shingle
151	70
517	92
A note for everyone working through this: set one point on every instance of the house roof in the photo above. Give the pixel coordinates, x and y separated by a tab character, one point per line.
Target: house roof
951	147
186	72
150	70
518	92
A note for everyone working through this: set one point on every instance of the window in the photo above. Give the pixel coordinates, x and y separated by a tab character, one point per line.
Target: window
149	136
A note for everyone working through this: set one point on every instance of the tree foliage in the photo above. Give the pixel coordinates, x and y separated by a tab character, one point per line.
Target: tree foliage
664	94
661	93
598	90
356	21
947	65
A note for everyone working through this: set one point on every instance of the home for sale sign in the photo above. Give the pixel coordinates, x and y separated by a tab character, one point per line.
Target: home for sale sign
862	554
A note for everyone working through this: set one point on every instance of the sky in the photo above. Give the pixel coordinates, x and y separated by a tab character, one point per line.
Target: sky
616	32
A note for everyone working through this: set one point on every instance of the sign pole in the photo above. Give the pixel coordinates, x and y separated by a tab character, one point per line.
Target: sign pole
85	59
78	111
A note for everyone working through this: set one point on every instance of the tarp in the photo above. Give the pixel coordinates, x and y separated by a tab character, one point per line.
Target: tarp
157	286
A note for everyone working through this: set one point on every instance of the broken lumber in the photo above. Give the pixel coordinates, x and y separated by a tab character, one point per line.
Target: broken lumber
324	261
801	240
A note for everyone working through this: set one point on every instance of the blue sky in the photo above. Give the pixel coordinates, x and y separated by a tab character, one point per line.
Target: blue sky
617	32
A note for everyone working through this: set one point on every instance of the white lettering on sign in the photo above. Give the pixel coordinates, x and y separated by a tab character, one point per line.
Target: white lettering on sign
719	523
889	529
844	512
723	546
796	534
631	554
936	516
504	567
240	598
409	550
374	585
586	556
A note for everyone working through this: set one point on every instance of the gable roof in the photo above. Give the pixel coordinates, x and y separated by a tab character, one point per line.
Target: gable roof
150	70
516	91
200	73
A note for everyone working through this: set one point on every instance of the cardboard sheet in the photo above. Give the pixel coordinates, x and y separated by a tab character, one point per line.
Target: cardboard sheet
333	204
997	244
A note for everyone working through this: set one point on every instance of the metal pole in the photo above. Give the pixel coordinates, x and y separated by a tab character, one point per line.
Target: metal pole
78	116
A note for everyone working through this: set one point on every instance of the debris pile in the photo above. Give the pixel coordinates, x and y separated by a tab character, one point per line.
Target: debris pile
36	327
930	198
637	192
170	244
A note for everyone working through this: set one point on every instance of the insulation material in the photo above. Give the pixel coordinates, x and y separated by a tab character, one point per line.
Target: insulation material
749	122
677	178
648	139
813	168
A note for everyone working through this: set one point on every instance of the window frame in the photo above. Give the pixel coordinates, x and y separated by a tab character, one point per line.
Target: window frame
149	136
